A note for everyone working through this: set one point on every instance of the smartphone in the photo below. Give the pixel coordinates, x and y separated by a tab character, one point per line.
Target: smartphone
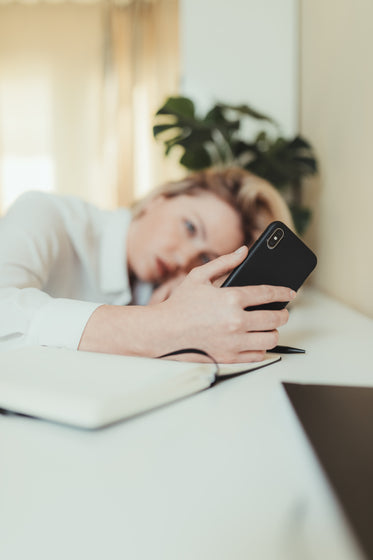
277	258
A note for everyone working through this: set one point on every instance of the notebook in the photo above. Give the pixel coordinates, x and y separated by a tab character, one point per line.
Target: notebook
91	390
338	421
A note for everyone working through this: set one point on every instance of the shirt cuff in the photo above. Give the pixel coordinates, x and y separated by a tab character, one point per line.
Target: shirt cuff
61	323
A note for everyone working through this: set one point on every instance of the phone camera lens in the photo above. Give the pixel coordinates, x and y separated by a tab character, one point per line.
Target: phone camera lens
275	238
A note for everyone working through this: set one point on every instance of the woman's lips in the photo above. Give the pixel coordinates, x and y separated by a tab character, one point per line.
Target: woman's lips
163	269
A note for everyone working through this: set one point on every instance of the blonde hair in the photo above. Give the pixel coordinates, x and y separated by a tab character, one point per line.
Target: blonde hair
257	201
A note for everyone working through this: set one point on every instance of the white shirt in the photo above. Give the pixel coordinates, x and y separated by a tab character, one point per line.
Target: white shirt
60	258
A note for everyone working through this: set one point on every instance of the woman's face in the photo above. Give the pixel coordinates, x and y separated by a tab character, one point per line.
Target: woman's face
173	235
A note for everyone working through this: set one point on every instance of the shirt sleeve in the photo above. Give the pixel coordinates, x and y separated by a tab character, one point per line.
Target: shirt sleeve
31	235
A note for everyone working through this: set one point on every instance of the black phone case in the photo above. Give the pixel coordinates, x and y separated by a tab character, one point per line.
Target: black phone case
287	264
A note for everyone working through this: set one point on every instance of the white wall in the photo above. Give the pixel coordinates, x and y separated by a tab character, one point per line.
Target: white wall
337	117
242	51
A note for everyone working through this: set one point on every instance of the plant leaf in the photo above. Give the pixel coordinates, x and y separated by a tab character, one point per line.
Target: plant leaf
299	142
249	111
196	159
301	217
308	165
179	106
159	128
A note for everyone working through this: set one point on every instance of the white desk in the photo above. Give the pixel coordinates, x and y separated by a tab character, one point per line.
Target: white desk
225	474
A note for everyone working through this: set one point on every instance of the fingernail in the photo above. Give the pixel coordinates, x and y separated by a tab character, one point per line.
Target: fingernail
240	249
292	294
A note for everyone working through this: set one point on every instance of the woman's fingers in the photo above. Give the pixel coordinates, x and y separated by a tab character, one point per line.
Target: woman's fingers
249	347
220	266
258	341
265	320
250	296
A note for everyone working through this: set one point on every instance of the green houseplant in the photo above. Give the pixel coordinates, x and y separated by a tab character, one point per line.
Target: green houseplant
218	139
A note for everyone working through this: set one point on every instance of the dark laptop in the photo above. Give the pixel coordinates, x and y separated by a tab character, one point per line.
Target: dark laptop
339	424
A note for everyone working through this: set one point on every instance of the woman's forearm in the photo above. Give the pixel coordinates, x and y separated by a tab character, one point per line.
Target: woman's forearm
128	330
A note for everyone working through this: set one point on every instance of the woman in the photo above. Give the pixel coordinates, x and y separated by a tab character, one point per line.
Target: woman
69	270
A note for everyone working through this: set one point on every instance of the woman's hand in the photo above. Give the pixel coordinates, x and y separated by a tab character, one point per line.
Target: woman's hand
214	319
196	315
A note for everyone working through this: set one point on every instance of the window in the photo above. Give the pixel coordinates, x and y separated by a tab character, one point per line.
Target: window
79	84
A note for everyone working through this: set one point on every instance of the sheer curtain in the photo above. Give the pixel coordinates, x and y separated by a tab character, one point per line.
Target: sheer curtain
142	70
79	85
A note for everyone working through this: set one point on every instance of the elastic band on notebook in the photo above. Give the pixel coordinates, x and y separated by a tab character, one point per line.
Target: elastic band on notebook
193	351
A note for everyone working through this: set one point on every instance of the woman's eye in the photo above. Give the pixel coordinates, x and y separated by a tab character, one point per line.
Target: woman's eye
191	228
205	258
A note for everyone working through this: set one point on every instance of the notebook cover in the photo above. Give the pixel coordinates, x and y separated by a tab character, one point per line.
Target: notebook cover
90	390
338	421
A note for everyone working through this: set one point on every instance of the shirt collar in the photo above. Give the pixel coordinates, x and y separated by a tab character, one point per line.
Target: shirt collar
113	254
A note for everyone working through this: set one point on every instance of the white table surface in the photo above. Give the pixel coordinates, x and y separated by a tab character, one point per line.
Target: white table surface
225	474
